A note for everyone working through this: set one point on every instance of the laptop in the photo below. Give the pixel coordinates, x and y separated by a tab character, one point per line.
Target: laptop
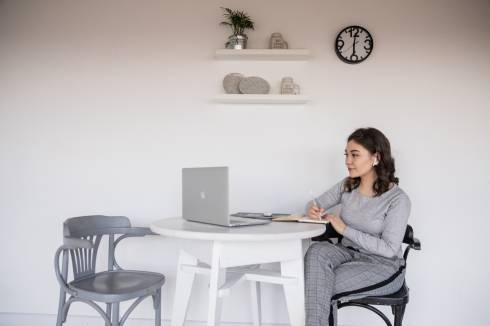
205	198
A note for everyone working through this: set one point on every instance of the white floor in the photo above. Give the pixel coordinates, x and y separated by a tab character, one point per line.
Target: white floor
50	320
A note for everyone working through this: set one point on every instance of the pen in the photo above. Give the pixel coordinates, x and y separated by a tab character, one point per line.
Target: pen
313	198
315	202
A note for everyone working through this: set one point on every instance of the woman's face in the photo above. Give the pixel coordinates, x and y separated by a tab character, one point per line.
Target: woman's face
359	160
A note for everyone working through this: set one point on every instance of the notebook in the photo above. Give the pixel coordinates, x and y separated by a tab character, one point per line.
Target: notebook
298	218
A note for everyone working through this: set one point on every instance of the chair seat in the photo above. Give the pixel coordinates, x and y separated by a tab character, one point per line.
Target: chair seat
398	298
115	286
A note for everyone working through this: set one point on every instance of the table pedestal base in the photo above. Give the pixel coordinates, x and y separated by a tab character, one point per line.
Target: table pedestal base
222	268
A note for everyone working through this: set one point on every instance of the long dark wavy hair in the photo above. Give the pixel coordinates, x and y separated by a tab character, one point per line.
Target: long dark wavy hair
377	144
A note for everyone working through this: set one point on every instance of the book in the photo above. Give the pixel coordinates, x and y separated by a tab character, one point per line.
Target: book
298	218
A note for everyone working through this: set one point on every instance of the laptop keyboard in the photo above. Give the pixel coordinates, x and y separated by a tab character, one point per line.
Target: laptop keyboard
238	221
235	221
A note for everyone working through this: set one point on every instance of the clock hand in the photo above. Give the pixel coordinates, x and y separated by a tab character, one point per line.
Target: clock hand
354	46
350	46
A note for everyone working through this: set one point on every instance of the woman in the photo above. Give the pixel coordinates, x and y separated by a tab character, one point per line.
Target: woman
372	221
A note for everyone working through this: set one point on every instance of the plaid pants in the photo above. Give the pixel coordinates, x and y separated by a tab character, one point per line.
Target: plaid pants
332	269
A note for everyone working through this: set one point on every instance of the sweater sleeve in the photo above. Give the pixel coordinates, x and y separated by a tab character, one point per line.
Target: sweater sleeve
329	198
389	242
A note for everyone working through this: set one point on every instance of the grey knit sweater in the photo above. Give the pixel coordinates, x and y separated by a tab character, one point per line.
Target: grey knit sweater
375	225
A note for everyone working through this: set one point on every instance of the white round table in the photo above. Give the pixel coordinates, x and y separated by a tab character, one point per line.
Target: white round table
240	246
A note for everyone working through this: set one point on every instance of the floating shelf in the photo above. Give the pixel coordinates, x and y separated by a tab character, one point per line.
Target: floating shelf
260	99
262	54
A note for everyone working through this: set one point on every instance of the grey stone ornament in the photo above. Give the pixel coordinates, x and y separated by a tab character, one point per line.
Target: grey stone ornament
231	81
254	85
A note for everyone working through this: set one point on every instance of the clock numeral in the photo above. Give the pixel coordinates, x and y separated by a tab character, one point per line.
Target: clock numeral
353	31
369	45
354	57
340	44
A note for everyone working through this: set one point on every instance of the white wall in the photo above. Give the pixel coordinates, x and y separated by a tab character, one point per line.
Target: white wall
103	102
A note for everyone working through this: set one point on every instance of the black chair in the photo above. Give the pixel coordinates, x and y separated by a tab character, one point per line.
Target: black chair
397	301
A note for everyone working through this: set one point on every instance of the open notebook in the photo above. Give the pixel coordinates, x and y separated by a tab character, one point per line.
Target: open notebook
298	218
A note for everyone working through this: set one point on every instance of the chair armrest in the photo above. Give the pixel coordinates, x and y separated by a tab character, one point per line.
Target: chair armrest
134	231
415	244
329	233
69	243
130	233
61	275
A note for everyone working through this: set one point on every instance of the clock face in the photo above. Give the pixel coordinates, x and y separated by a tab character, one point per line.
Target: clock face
354	44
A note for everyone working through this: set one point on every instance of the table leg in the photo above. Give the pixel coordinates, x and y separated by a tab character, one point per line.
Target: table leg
216	276
256	303
295	292
183	289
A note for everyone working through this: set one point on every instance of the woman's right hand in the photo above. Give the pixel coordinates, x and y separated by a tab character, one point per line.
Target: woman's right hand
315	212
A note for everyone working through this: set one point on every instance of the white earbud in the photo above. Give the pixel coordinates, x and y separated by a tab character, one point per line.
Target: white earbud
375	162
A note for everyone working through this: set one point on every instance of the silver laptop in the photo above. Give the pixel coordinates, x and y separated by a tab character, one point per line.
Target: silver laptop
205	197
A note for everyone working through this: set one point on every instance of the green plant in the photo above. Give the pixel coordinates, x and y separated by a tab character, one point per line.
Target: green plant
238	21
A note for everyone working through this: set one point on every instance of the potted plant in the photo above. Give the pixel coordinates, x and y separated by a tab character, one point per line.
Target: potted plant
238	21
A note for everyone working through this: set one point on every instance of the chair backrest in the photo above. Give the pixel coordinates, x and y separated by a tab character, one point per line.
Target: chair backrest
92	228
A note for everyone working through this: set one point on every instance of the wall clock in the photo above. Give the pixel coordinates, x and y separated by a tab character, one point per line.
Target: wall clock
354	44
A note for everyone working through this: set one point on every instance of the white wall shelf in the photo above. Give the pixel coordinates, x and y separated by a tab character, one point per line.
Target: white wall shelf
262	54
260	99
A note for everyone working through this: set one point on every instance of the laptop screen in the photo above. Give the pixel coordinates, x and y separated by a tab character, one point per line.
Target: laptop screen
205	195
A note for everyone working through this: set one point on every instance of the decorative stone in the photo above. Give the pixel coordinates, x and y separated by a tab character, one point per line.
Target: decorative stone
231	81
254	85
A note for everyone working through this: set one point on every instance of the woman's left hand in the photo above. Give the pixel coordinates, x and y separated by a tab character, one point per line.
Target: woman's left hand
336	222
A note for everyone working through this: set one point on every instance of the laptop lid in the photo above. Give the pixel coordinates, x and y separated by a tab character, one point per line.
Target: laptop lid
205	195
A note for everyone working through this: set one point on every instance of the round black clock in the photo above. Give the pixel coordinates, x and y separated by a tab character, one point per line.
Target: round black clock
354	44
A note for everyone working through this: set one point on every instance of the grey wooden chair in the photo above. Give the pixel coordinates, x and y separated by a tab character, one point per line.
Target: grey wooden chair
81	239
